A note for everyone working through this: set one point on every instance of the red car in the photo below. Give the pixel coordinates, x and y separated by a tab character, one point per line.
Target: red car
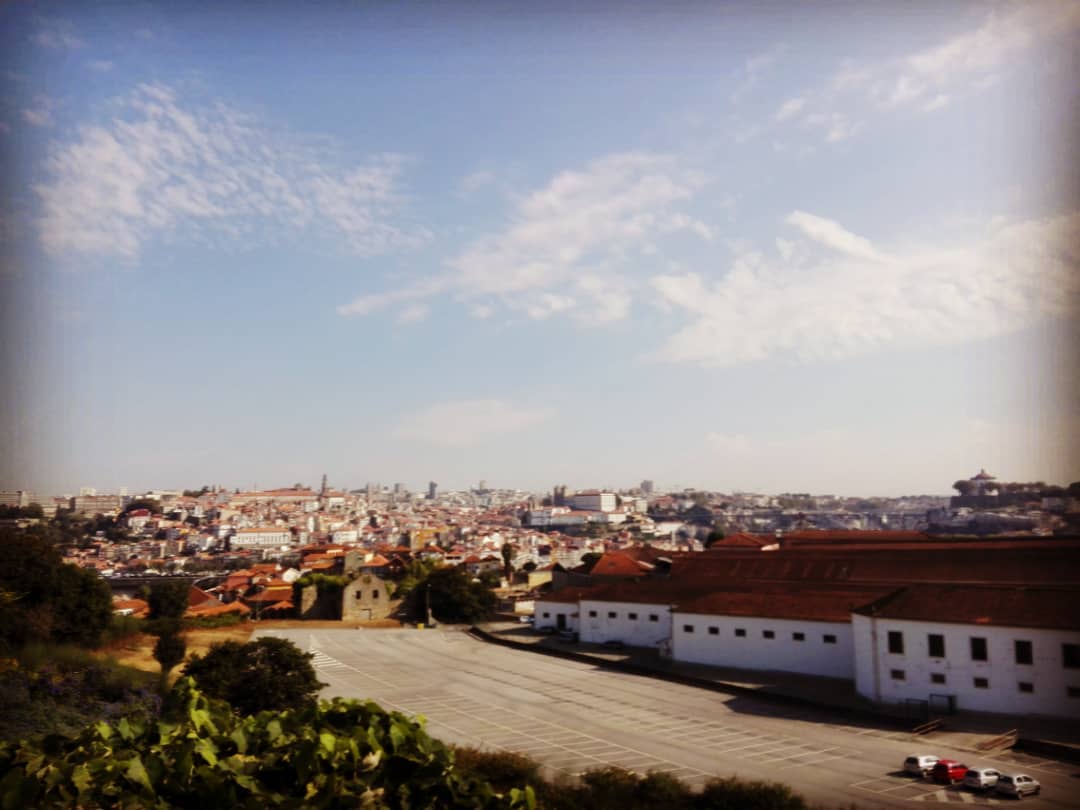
948	771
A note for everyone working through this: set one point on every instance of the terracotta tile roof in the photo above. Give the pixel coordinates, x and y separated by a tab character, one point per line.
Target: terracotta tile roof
219	609
786	603
619	564
1052	608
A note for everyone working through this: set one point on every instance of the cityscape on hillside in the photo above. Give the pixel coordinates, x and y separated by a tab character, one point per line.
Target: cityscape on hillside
539	406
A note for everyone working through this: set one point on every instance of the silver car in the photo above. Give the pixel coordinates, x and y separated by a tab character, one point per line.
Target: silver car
1018	785
981	778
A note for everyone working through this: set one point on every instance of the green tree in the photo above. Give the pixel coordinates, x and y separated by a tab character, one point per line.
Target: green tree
82	606
454	597
169	600
169	651
268	673
507	551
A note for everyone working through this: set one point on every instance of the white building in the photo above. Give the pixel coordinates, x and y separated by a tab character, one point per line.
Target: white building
984	648
261	537
808	632
637	623
593	500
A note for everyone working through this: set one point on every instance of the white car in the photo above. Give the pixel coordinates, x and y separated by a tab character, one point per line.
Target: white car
981	778
1018	785
920	764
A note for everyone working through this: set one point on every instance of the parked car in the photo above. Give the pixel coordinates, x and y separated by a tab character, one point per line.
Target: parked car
615	644
1018	785
568	635
981	778
947	771
920	764
526	619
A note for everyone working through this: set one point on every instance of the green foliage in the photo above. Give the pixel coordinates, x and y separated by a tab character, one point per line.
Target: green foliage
416	572
82	606
503	770
169	651
45	598
169	600
59	689
735	794
151	504
34	510
223	620
268	673
454	597
332	755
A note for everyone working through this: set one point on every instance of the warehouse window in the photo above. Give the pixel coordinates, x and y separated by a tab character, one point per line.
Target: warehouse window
978	649
935	644
1023	651
896	642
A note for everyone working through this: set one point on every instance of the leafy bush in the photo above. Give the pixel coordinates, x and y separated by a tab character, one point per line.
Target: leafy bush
61	689
502	769
268	673
331	755
735	794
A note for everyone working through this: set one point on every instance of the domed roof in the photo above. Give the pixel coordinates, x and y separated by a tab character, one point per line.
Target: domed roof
983	476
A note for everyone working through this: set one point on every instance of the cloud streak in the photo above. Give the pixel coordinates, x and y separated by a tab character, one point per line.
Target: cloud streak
855	298
567	244
161	167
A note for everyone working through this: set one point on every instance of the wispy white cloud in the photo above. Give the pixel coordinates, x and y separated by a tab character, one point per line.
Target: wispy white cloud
57	34
928	78
753	68
469	422
413	313
165	166
790	108
566	243
40	115
858	298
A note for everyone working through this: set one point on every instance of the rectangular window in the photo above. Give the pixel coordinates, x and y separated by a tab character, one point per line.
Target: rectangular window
653	617
897	674
798	636
1072	691
714	631
374	594
1070	655
978	649
740	632
1025	686
547	615
688	628
935	645
937	677
829	638
611	614
896	642
592	613
632	617
982	683
1023	652
768	633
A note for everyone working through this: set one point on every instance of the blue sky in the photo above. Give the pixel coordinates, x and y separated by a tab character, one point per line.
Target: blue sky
737	247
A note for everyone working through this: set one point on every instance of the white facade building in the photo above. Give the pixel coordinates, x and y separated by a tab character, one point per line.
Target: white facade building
982	654
593	501
264	537
747	642
639	624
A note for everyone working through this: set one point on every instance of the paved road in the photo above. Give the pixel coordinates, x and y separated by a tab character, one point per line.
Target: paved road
572	717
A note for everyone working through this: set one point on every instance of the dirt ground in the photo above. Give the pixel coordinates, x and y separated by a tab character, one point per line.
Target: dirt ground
138	650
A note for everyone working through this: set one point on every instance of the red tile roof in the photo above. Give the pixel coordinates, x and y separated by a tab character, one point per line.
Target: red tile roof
1052	608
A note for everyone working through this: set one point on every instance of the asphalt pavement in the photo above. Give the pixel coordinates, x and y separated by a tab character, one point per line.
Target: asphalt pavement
572	716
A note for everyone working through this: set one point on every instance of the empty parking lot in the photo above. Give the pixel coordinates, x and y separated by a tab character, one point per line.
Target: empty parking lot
572	716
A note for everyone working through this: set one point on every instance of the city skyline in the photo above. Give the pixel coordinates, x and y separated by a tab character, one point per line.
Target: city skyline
832	251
